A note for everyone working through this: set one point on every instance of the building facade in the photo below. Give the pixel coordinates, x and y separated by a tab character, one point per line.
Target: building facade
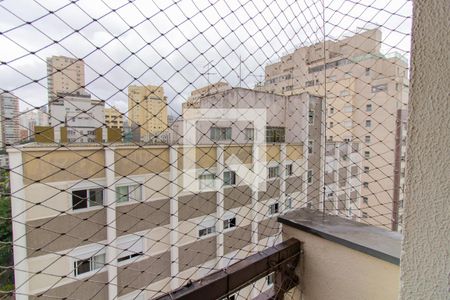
113	118
147	109
129	221
9	123
65	75
363	89
75	118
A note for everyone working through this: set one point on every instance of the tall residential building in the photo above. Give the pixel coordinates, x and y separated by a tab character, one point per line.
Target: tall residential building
147	109
29	119
9	122
363	90
77	118
179	211
65	75
113	118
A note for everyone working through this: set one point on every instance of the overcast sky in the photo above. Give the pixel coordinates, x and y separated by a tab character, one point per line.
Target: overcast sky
169	43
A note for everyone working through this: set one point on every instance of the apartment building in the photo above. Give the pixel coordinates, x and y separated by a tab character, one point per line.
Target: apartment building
197	94
130	221
9	123
113	118
65	75
77	119
29	119
147	109
363	90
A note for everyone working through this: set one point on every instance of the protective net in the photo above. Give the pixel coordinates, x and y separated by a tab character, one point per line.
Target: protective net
147	144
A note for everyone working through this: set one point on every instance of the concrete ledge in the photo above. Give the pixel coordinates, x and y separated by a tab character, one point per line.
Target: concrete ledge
368	239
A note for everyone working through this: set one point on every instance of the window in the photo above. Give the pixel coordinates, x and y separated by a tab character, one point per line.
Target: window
229	223
366	154
273	208
206	231
344	93
87	198
288	202
274	172
348	123
331	125
90	264
129	247
310	176
367	71
275	134
379	88
249	134
289	170
309	83
366	169
310	147
331	110
229	178
270	278
365	184
311	117
129	256
220	133
347	109
365	200
368	123
367	138
128	193
369	107
207	180
365	215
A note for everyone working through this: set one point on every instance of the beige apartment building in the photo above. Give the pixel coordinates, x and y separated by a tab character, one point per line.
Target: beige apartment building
113	118
127	221
363	91
65	75
147	109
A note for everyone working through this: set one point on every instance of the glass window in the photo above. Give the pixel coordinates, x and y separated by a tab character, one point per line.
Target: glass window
310	176
275	134
229	178
273	208
289	170
379	88
273	172
229	223
310	147
129	193
87	198
288	202
270	279
311	117
206	231
207	180
368	123
366	154
249	134
369	107
90	264
367	138
220	133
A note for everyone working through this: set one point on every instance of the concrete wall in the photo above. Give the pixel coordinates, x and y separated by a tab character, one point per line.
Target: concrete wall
333	271
426	245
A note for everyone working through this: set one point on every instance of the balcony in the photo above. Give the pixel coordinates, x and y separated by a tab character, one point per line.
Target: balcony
323	257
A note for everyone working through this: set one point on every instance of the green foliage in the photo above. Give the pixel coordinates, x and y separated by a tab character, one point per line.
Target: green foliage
6	254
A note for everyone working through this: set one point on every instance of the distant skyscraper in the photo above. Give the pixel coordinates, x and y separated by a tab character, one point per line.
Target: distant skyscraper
147	108
9	124
65	75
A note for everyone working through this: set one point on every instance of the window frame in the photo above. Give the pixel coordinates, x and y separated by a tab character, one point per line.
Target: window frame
218	133
274	208
138	189
89	202
289	170
269	170
232	178
309	176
